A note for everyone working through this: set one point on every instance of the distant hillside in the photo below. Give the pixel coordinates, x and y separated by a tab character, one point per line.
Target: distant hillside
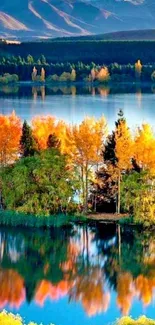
29	19
133	35
86	51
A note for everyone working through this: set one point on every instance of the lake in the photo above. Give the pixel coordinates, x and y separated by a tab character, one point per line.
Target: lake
86	275
72	104
82	274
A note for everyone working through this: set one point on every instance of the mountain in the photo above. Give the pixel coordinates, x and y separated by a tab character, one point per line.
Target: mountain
59	18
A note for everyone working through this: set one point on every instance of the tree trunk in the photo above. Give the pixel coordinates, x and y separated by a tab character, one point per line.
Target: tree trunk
86	189
83	186
119	242
119	192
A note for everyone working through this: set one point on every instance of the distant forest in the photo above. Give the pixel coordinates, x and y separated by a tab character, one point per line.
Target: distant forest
70	61
87	51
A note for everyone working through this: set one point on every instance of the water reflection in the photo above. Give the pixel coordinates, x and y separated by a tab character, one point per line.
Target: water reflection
29	90
73	103
89	265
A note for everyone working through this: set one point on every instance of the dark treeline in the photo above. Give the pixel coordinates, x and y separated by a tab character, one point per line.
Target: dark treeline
23	68
86	51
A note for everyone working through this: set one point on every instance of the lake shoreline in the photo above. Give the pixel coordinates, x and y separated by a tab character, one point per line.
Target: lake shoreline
78	83
107	217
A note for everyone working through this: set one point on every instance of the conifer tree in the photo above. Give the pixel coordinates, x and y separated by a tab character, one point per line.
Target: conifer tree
53	142
28	145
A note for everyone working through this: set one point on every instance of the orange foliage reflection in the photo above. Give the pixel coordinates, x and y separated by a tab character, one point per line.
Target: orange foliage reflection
89	290
12	288
46	290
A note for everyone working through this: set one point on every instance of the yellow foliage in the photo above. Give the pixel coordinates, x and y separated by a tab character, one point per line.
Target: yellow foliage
144	152
103	75
10	319
140	321
86	140
138	68
124	146
42	74
34	74
73	75
125	293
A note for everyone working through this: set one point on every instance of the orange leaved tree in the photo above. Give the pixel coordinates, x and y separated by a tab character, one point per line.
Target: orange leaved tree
42	127
144	152
123	151
10	133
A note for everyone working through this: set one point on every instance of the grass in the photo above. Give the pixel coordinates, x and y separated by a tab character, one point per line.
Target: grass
15	219
10	319
140	321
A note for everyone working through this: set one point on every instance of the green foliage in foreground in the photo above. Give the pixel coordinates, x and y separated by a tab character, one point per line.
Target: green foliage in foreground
140	321
40	185
12	218
10	319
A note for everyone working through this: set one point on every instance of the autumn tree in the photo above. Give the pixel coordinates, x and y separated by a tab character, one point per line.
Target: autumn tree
93	74
103	75
84	145
73	75
144	152
138	69
28	145
10	133
42	127
42	77
123	152
34	74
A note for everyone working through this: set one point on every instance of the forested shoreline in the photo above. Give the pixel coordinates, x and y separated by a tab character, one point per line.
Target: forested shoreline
50	167
17	69
93	61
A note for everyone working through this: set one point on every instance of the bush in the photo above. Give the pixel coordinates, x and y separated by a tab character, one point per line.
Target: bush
140	321
8	78
10	319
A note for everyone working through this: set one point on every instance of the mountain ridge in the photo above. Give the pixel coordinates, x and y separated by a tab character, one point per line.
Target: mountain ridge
65	18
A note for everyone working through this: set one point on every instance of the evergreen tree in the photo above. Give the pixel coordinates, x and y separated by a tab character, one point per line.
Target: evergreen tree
109	150
105	187
53	142
28	145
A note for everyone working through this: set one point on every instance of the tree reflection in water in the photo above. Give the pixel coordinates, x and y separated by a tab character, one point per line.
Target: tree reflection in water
83	262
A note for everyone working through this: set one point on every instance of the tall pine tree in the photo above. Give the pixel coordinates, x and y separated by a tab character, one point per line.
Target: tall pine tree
28	145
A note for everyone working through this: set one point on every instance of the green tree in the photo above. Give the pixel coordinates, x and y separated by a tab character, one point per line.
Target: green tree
138	196
28	145
42	184
43	59
30	59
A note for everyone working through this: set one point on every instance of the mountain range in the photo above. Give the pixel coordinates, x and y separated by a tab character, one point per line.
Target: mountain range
65	18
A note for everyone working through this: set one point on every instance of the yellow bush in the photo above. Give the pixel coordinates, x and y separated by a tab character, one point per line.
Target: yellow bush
10	319
140	321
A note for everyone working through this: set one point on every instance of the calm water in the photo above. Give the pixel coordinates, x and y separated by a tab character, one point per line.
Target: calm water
74	103
87	275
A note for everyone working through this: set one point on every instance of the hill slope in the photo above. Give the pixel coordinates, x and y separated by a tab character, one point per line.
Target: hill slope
57	18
